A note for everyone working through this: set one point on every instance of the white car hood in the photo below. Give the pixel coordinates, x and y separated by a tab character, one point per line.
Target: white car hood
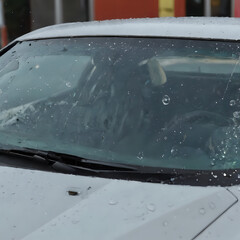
36	205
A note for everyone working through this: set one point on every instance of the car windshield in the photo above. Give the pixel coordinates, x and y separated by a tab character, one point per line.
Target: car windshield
169	103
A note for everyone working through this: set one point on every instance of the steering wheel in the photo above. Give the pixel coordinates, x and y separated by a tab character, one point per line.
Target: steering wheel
193	129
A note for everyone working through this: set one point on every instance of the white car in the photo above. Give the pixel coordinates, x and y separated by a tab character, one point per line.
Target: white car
124	129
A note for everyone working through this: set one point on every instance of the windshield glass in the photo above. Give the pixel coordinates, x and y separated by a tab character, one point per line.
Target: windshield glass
171	103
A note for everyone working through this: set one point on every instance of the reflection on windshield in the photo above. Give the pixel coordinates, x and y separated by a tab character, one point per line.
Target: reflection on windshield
150	102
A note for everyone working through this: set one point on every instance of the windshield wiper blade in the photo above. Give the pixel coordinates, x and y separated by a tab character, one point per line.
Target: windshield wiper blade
63	163
69	164
60	162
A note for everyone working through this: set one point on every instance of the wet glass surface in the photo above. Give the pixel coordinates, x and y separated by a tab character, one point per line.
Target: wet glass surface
169	103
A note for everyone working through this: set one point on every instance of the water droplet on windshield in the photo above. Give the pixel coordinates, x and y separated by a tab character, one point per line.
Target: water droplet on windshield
151	207
166	100
140	155
212	163
236	114
174	151
68	84
232	103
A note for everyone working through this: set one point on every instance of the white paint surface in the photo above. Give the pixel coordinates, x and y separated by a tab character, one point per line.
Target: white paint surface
35	205
227	226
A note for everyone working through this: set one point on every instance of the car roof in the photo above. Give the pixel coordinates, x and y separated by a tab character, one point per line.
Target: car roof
186	27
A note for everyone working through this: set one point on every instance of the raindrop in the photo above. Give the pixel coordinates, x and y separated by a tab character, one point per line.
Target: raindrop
68	84
212	163
236	114
37	66
151	207
140	155
212	205
166	100
232	103
112	202
202	211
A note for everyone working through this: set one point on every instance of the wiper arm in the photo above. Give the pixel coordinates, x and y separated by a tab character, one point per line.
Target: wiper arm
64	163
60	162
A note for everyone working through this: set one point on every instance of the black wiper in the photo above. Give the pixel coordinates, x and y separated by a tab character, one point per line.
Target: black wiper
60	162
65	163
